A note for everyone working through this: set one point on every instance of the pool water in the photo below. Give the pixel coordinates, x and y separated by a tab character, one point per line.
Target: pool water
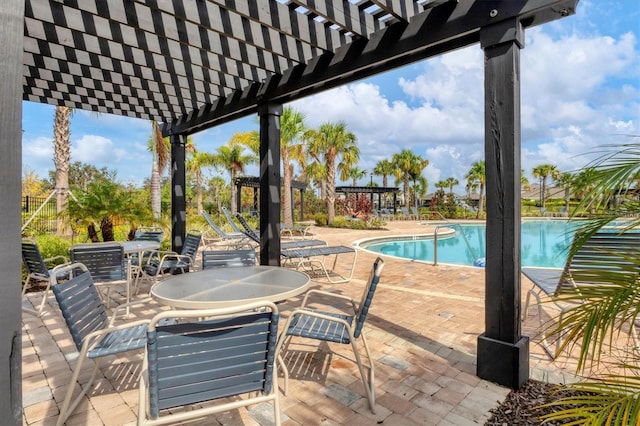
545	243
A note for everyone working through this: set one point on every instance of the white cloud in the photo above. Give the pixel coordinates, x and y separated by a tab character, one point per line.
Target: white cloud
578	93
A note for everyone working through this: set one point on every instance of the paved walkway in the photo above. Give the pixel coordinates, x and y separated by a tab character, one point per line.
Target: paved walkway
422	329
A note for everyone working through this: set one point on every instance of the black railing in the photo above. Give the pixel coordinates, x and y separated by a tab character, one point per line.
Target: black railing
45	211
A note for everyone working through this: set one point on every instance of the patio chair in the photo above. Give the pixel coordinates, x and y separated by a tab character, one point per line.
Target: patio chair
226	258
169	262
313	259
38	271
605	251
107	264
230	240
94	334
249	232
337	327
226	358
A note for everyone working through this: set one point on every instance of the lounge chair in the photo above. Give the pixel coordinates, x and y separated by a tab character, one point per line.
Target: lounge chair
38	271
226	258
294	231
232	224
250	233
234	240
344	327
602	252
169	262
194	368
95	336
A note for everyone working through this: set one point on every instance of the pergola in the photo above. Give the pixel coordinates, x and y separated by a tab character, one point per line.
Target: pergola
195	64
379	190
254	182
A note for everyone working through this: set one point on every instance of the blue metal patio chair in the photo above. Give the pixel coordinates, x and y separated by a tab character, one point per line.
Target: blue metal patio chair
226	258
107	264
38	271
93	333
337	327
169	262
226	358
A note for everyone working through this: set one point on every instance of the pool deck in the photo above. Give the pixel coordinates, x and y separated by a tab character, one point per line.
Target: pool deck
422	329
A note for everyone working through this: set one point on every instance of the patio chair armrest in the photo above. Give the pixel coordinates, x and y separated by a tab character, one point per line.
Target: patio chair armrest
324	293
315	314
116	310
92	337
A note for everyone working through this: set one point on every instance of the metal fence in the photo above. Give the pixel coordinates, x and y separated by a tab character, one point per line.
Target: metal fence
44	210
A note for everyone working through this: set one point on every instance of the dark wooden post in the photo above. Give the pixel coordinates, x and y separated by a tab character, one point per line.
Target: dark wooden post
503	353
270	183
178	192
302	204
11	71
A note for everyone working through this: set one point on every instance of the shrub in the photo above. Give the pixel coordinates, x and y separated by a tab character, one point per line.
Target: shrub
51	245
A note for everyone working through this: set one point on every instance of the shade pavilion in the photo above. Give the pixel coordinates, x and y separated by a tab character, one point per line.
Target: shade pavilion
192	65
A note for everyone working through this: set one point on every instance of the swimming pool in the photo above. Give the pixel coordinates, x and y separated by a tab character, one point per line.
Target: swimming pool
544	243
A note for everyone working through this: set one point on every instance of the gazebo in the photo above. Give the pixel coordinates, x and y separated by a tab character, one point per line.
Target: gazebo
254	182
197	64
371	190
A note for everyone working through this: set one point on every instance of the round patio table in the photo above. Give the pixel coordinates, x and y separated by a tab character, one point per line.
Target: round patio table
232	286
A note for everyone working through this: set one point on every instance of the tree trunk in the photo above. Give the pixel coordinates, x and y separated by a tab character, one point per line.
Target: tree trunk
106	227
407	193
331	191
234	195
287	178
480	201
61	160
92	233
199	190
155	188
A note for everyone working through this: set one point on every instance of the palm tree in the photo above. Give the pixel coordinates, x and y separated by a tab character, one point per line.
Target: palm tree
355	174
544	171
451	182
603	311
384	168
407	164
332	142
61	160
292	130
441	184
476	176
566	180
231	158
159	147
195	163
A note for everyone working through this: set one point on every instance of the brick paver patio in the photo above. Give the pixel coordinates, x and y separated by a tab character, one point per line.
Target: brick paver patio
422	330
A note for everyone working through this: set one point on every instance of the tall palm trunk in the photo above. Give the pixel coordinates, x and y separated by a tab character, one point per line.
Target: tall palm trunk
61	160
480	201
287	178
234	194
407	192
331	190
155	187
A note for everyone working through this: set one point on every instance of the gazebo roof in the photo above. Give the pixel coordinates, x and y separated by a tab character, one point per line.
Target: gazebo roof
195	64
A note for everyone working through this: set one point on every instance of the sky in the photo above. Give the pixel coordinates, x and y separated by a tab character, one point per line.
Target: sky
580	92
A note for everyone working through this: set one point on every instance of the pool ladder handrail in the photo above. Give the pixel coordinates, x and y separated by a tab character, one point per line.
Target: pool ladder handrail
435	239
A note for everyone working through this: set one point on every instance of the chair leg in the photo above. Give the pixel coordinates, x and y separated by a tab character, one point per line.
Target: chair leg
68	406
368	384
